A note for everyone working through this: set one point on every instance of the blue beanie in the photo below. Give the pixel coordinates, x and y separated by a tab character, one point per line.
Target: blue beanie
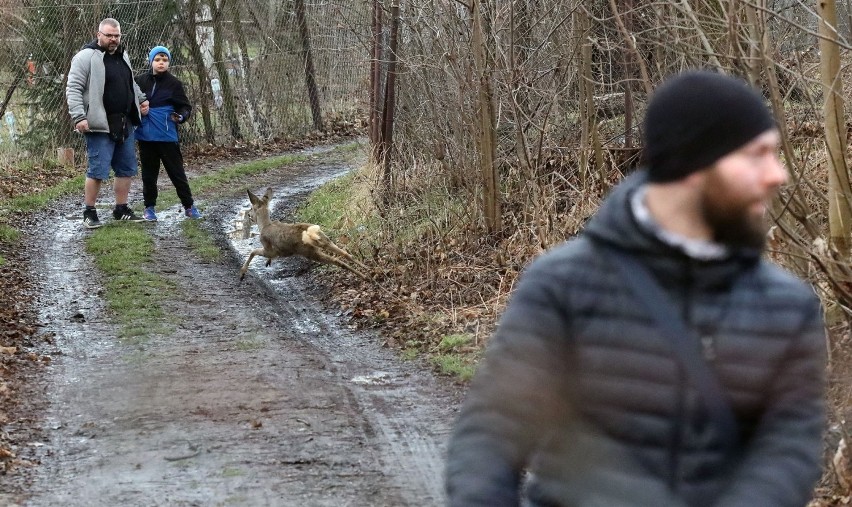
157	50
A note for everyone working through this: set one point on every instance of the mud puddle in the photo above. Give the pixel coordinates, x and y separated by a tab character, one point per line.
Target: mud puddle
255	395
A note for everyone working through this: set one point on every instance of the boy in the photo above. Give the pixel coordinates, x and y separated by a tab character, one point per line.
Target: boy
158	137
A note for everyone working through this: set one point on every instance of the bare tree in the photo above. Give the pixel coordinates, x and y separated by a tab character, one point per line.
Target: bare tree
307	57
839	191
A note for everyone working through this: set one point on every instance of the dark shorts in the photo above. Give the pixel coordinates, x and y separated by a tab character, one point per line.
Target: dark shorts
104	153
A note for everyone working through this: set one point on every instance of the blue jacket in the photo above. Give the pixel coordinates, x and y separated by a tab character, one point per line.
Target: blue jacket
165	96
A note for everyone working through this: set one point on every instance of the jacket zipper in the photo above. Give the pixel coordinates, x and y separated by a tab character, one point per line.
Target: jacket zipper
681	402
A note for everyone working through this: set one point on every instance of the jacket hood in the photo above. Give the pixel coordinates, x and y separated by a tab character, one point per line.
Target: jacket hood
94	45
615	224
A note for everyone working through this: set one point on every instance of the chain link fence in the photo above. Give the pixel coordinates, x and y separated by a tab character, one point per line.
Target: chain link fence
250	68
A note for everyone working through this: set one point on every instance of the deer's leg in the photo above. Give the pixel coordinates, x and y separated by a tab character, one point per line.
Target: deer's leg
343	253
323	257
256	251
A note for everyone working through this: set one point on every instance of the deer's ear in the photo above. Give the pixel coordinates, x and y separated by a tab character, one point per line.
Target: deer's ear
268	194
252	198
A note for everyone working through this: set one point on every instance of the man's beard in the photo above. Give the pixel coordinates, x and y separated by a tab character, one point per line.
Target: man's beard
730	220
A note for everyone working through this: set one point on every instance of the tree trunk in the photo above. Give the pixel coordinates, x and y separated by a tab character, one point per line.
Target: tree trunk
307	56
487	125
390	102
586	110
839	211
258	121
189	25
376	83
222	70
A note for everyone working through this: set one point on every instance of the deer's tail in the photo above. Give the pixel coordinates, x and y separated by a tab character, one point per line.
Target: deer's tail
313	236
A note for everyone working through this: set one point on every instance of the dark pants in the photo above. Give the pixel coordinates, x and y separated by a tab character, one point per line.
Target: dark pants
151	153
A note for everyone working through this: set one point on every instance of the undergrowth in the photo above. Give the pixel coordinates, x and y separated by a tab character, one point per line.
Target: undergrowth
418	253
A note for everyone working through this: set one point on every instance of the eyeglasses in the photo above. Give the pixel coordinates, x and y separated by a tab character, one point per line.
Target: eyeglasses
111	35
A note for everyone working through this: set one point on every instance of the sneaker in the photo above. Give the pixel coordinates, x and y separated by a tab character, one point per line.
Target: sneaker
90	219
126	214
192	212
149	214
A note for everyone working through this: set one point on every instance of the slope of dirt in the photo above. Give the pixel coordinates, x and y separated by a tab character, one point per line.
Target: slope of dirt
255	395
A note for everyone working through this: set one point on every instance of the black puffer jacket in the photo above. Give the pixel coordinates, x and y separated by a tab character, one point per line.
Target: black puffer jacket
580	390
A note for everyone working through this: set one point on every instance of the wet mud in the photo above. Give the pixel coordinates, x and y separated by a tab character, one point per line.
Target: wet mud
255	394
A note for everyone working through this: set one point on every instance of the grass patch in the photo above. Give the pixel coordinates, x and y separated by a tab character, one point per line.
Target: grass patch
122	253
250	344
232	472
328	204
343	208
410	354
454	342
201	241
454	365
2	260
455	356
34	202
9	234
239	172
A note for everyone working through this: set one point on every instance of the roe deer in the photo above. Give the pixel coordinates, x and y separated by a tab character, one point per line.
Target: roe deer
281	239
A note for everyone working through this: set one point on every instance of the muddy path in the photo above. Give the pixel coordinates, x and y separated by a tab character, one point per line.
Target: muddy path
256	395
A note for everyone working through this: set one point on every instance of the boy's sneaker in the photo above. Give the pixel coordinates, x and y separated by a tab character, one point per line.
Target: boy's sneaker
149	214
126	214
90	219
192	212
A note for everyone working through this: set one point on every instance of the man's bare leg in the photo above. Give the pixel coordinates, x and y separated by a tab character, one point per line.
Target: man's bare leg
122	190
90	191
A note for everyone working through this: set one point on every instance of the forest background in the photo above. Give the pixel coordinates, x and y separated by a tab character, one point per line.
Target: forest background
495	129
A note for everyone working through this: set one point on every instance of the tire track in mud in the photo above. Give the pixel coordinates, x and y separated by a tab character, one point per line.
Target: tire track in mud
255	397
399	400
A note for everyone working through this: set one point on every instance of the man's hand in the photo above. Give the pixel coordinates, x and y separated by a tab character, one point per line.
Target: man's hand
82	126
143	108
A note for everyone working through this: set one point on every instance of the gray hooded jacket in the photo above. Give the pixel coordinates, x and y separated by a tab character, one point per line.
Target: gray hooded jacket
578	388
85	89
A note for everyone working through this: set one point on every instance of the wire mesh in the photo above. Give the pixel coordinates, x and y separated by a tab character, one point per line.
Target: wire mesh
242	63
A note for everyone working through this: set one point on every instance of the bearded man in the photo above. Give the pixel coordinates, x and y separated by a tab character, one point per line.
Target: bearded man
657	359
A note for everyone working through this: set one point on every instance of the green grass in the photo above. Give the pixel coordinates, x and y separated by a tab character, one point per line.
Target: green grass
453	342
232	472
327	204
132	292
200	241
454	357
342	211
239	172
454	365
249	344
9	234
34	202
410	354
122	252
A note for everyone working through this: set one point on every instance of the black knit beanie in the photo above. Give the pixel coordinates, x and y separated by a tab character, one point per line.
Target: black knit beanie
696	118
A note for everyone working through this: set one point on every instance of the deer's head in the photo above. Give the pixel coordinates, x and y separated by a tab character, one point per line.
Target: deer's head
259	212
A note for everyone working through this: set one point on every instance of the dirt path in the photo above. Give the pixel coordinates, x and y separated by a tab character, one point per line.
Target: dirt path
257	397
